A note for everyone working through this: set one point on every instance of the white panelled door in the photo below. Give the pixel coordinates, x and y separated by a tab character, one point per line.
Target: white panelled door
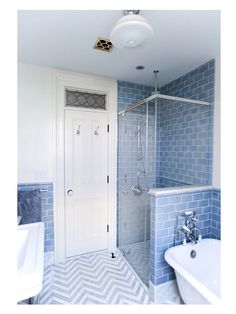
86	170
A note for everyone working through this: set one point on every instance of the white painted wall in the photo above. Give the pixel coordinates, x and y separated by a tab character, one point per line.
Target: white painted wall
216	130
35	126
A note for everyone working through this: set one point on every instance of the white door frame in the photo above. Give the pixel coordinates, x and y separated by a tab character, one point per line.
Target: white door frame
64	79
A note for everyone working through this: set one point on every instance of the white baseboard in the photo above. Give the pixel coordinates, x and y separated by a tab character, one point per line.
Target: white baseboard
49	259
166	293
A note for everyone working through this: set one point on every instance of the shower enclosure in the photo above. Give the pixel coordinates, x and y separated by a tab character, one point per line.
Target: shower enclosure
141	127
137	173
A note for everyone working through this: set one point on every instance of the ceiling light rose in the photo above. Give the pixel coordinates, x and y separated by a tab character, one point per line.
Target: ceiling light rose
131	30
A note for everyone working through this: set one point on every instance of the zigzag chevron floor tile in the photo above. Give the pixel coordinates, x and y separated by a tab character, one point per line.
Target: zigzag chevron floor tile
93	278
138	256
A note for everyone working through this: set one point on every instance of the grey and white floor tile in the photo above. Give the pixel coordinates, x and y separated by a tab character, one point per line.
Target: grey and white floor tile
138	256
93	278
168	293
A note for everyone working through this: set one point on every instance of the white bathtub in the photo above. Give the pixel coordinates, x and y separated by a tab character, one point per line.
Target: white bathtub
198	278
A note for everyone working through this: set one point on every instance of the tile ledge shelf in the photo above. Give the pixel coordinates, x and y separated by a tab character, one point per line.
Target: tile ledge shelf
179	189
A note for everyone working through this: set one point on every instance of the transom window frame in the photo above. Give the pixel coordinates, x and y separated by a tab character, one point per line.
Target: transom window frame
89	91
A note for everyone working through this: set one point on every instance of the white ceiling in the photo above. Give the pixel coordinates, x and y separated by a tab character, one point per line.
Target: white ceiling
183	40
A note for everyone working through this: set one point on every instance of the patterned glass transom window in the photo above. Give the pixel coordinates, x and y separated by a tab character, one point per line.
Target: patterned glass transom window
82	99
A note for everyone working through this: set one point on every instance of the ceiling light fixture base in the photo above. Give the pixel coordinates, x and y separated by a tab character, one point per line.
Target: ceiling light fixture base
126	12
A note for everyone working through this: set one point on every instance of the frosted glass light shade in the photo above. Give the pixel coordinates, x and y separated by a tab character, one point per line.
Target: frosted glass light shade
131	30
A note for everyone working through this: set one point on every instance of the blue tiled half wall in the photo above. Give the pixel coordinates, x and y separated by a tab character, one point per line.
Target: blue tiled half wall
215	214
47	211
164	210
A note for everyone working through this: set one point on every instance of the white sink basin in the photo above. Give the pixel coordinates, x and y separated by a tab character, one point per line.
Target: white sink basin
21	240
30	246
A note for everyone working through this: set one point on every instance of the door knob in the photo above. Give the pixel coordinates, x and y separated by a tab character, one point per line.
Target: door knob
70	192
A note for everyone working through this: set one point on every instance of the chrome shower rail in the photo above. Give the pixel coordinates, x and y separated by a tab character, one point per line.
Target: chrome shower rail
161	96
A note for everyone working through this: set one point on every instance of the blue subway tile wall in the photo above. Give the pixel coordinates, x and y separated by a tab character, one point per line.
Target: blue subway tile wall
215	214
47	211
185	131
164	210
166	183
129	93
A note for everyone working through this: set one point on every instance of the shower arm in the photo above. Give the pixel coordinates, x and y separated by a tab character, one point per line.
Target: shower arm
155	73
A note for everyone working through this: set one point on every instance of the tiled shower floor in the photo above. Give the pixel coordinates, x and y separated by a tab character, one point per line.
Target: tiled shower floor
138	256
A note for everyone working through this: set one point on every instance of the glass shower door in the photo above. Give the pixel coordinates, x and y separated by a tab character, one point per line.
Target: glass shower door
136	173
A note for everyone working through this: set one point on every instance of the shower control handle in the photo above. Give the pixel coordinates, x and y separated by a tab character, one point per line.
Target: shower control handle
70	192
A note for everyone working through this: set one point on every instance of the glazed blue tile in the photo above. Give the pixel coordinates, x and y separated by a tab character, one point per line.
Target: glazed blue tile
200	85
209	72
160	280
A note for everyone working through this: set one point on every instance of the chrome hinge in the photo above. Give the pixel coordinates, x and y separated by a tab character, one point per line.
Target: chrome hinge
108	128
108	179
107	228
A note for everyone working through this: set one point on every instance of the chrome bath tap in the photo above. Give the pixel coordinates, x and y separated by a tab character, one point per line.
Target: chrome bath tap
195	234
189	231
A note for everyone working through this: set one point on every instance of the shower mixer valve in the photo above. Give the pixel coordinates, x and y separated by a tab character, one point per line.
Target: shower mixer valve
137	188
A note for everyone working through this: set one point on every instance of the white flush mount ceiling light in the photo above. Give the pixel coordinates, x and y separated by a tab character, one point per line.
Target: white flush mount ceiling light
131	30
